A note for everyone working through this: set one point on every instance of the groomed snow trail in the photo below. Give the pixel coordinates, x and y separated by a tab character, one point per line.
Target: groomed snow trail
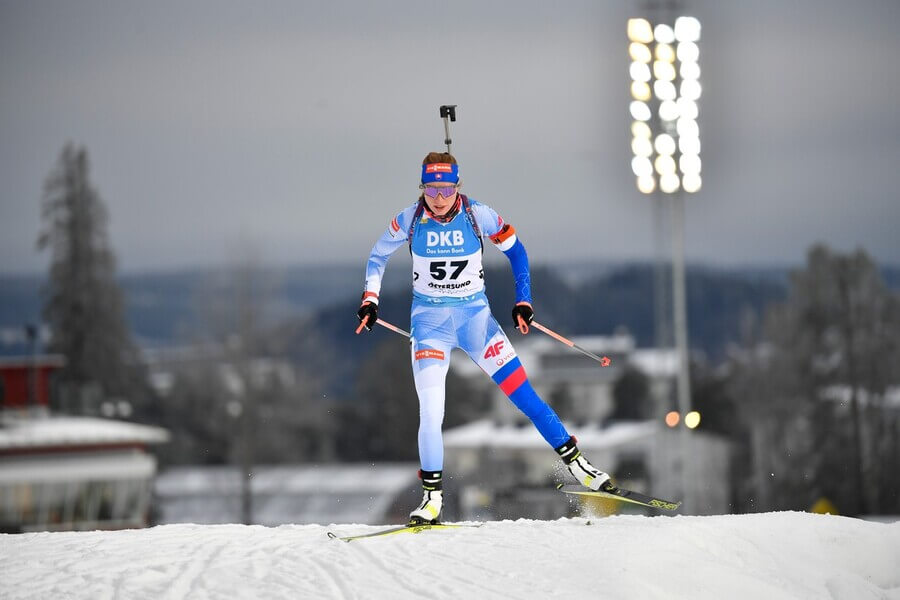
771	556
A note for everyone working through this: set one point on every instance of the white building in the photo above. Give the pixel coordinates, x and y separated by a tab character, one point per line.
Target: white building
74	473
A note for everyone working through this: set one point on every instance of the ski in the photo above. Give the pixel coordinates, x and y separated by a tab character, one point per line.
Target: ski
622	495
402	529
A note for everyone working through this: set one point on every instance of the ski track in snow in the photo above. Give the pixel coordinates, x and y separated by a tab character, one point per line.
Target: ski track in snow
772	556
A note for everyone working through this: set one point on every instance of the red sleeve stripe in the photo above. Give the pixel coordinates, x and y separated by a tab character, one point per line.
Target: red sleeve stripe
394	225
370	295
504	234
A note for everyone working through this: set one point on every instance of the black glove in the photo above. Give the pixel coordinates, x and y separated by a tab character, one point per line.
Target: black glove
524	310
368	314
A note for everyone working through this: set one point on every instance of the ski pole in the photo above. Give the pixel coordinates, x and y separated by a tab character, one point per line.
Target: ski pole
603	360
384	323
448	111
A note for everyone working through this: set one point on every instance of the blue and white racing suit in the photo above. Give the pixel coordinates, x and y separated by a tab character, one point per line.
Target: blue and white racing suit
450	310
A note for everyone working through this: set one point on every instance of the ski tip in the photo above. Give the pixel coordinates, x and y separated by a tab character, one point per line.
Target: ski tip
664	505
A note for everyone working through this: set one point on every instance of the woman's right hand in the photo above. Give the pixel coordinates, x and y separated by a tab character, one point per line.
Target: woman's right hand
368	314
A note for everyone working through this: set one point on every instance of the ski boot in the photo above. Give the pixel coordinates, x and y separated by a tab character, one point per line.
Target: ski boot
429	511
587	474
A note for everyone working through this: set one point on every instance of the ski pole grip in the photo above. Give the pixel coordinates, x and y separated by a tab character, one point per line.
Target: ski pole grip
553	334
523	326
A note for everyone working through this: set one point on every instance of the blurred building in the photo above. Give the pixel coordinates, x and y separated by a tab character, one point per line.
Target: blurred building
507	471
250	393
74	473
25	380
67	473
500	467
333	493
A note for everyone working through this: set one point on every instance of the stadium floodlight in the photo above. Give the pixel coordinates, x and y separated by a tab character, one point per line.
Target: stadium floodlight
640	90
687	29
689	164
668	183
665	165
687	128
690	89
665	89
687	108
640	72
640	111
646	184
641	166
639	30
664	34
692	183
665	52
688	52
689	145
664	70
642	147
639	52
668	110
641	129
690	70
665	144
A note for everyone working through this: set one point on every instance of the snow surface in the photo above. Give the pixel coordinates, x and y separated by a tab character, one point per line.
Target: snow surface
763	556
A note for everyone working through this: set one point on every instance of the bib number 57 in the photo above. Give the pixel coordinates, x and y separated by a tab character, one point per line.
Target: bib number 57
438	268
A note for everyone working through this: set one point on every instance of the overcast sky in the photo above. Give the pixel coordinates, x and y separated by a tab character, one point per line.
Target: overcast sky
299	126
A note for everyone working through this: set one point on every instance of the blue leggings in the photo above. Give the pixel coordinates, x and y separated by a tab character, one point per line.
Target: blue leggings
436	330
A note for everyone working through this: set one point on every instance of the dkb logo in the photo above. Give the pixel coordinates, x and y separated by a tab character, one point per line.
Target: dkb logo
445	238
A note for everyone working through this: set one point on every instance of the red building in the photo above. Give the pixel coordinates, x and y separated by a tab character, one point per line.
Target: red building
25	380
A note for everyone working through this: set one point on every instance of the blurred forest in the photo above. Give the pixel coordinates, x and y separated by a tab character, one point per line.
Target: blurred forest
799	372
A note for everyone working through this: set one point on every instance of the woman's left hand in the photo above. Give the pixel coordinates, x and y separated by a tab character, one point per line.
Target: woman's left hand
523	311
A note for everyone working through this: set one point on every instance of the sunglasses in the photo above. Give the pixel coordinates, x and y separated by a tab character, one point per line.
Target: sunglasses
433	191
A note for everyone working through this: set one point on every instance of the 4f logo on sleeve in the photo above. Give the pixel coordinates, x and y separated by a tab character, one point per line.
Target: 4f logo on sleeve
494	350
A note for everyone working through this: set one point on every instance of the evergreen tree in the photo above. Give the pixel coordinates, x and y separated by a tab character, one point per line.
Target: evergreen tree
82	301
813	396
